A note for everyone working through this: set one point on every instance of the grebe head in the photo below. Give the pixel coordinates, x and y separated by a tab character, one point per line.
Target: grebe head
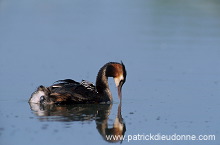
40	96
118	72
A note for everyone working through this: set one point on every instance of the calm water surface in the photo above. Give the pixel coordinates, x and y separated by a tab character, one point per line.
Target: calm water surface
171	50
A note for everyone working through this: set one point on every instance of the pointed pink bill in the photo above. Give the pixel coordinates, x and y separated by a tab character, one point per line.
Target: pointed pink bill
120	91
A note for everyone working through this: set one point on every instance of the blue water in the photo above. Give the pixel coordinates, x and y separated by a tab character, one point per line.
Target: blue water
171	50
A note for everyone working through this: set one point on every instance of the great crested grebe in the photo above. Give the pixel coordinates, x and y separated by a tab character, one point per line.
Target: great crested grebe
71	92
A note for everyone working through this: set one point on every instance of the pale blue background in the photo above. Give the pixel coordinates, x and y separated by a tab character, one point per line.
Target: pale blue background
171	50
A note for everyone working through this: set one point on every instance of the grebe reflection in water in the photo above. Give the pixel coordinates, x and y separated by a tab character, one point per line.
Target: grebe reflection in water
84	113
71	92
